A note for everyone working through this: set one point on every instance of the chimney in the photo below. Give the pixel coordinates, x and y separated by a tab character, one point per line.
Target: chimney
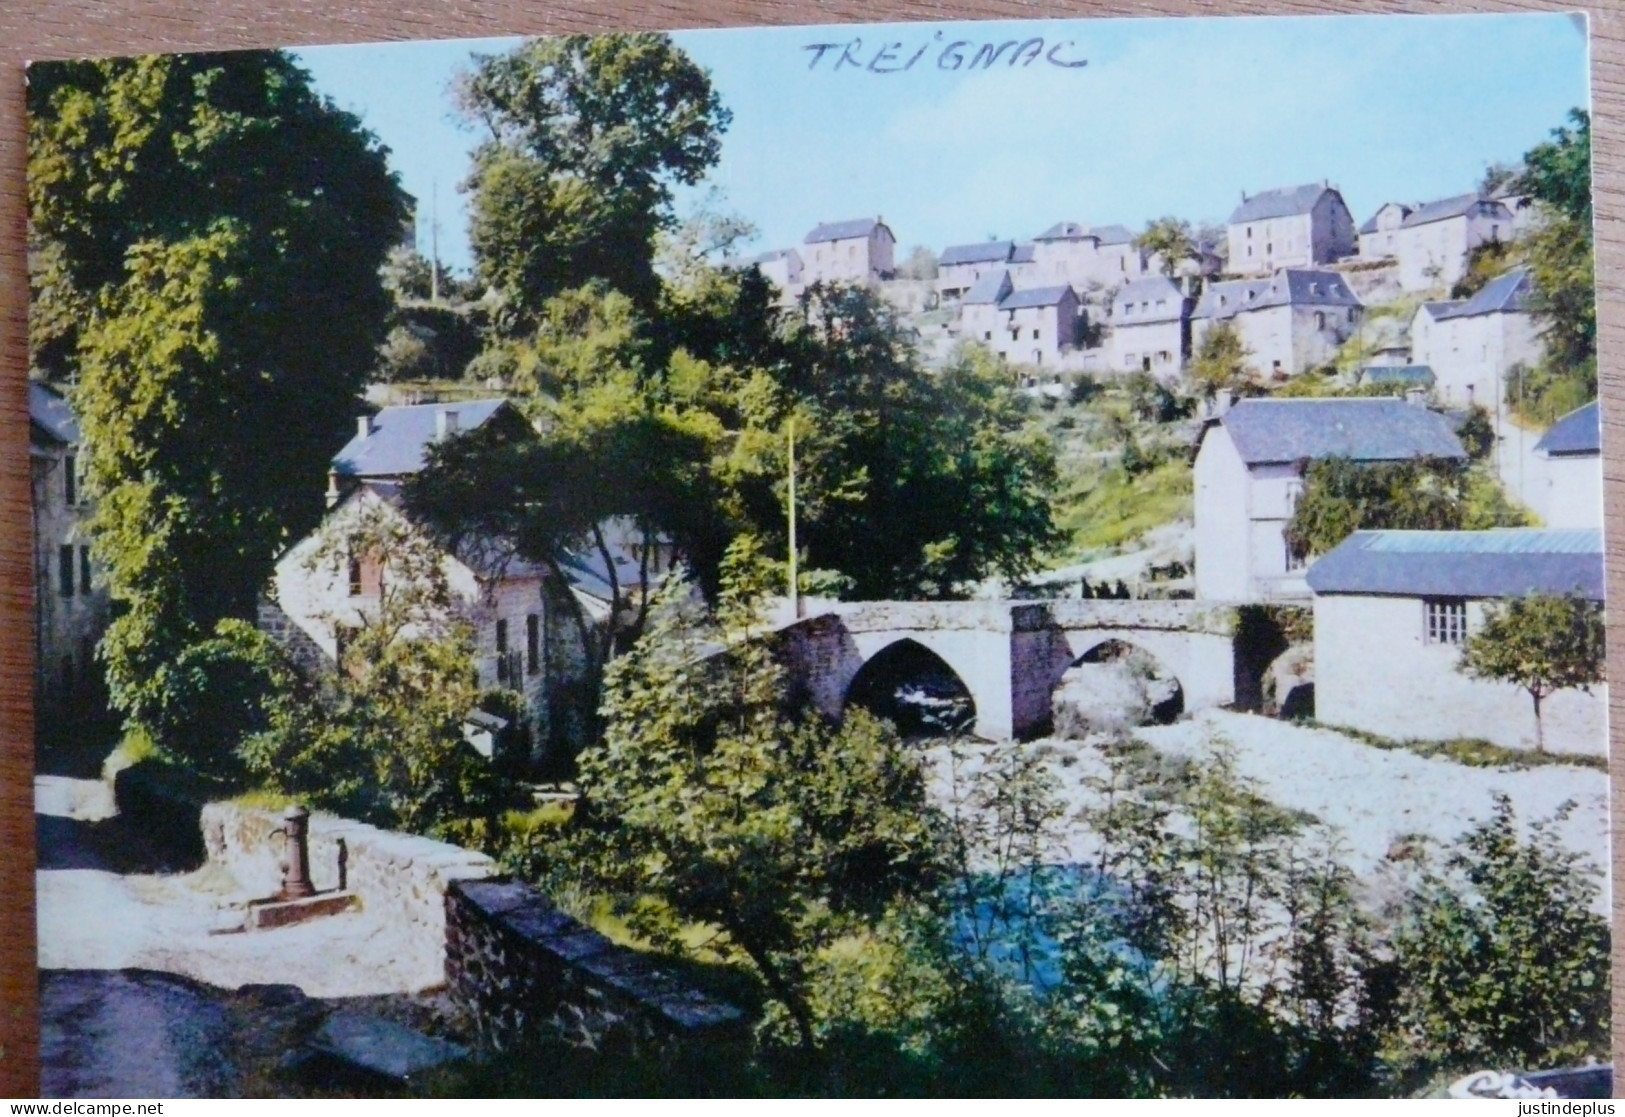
1223	401
445	422
363	426
1416	397
333	493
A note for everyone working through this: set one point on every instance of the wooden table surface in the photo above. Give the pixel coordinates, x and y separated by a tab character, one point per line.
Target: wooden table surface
31	29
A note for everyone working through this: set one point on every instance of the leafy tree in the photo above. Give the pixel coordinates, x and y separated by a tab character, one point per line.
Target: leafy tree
1341	497
712	795
208	233
920	263
1221	361
586	136
1499	958
1543	643
1484	262
1169	238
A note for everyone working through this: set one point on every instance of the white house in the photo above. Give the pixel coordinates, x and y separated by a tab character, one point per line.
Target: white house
857	251
1434	240
1393	609
1379	236
961	265
1150	327
1249	475
1291	322
1083	257
1471	344
1570	456
70	595
1037	326
783	266
1290	227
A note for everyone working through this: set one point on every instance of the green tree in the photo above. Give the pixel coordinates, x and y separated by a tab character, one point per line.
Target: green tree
1169	238
1221	361
1341	497
1499	958
712	795
207	236
585	138
1543	643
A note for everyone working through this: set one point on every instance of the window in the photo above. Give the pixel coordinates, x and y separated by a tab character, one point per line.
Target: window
1036	334
987	335
1249	237
1351	314
1294	561
1269	249
533	644
1320	320
1445	620
64	569
84	569
1249	250
502	652
355	576
70	479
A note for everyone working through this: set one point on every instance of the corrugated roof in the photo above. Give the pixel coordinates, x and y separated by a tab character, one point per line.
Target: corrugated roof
992	252
1506	562
1285	201
842	230
1459	206
401	435
991	288
1578	432
1287	287
1505	294
48	410
1035	296
1410	376
1369	430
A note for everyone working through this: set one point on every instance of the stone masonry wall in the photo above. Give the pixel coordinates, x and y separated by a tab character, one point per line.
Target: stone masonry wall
523	970
400	877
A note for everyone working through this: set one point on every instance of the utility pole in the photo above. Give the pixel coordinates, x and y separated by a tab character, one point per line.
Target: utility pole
795	590
434	241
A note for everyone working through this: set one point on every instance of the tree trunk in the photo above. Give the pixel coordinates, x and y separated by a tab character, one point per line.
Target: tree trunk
782	992
1540	732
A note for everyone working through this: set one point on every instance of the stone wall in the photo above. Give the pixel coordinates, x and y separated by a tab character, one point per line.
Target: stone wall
400	877
524	971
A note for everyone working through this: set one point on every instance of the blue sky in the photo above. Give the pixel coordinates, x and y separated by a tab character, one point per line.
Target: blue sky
1174	116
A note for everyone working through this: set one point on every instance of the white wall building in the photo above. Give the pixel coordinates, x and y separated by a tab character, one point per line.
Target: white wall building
1037	326
1471	345
1433	241
1292	322
1394	608
1150	327
1379	236
858	251
1249	475
783	266
961	265
1290	227
1570	483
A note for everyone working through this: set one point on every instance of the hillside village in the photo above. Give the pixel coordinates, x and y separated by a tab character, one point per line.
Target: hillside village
1300	478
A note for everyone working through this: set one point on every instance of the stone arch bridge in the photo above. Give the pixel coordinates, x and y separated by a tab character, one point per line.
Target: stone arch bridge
1011	654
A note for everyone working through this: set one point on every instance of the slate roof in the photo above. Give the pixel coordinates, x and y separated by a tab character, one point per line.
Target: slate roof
1113	234
1035	296
1367	430
1459	206
1439	311
1064	230
1505	294
1287	287
842	230
1149	291
992	252
1285	201
1577	433
400	435
49	411
1370	225
991	288
1506	562
1407	376
1022	255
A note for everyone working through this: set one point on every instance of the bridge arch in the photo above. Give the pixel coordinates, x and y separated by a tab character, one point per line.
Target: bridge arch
1163	685
915	688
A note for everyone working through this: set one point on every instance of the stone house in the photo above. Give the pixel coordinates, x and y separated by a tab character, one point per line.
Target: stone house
1471	344
1379	236
1569	491
1250	464
857	251
1150	327
526	634
1394	608
961	265
1433	241
1085	257
1290	227
1037	326
783	266
70	596
1292	322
